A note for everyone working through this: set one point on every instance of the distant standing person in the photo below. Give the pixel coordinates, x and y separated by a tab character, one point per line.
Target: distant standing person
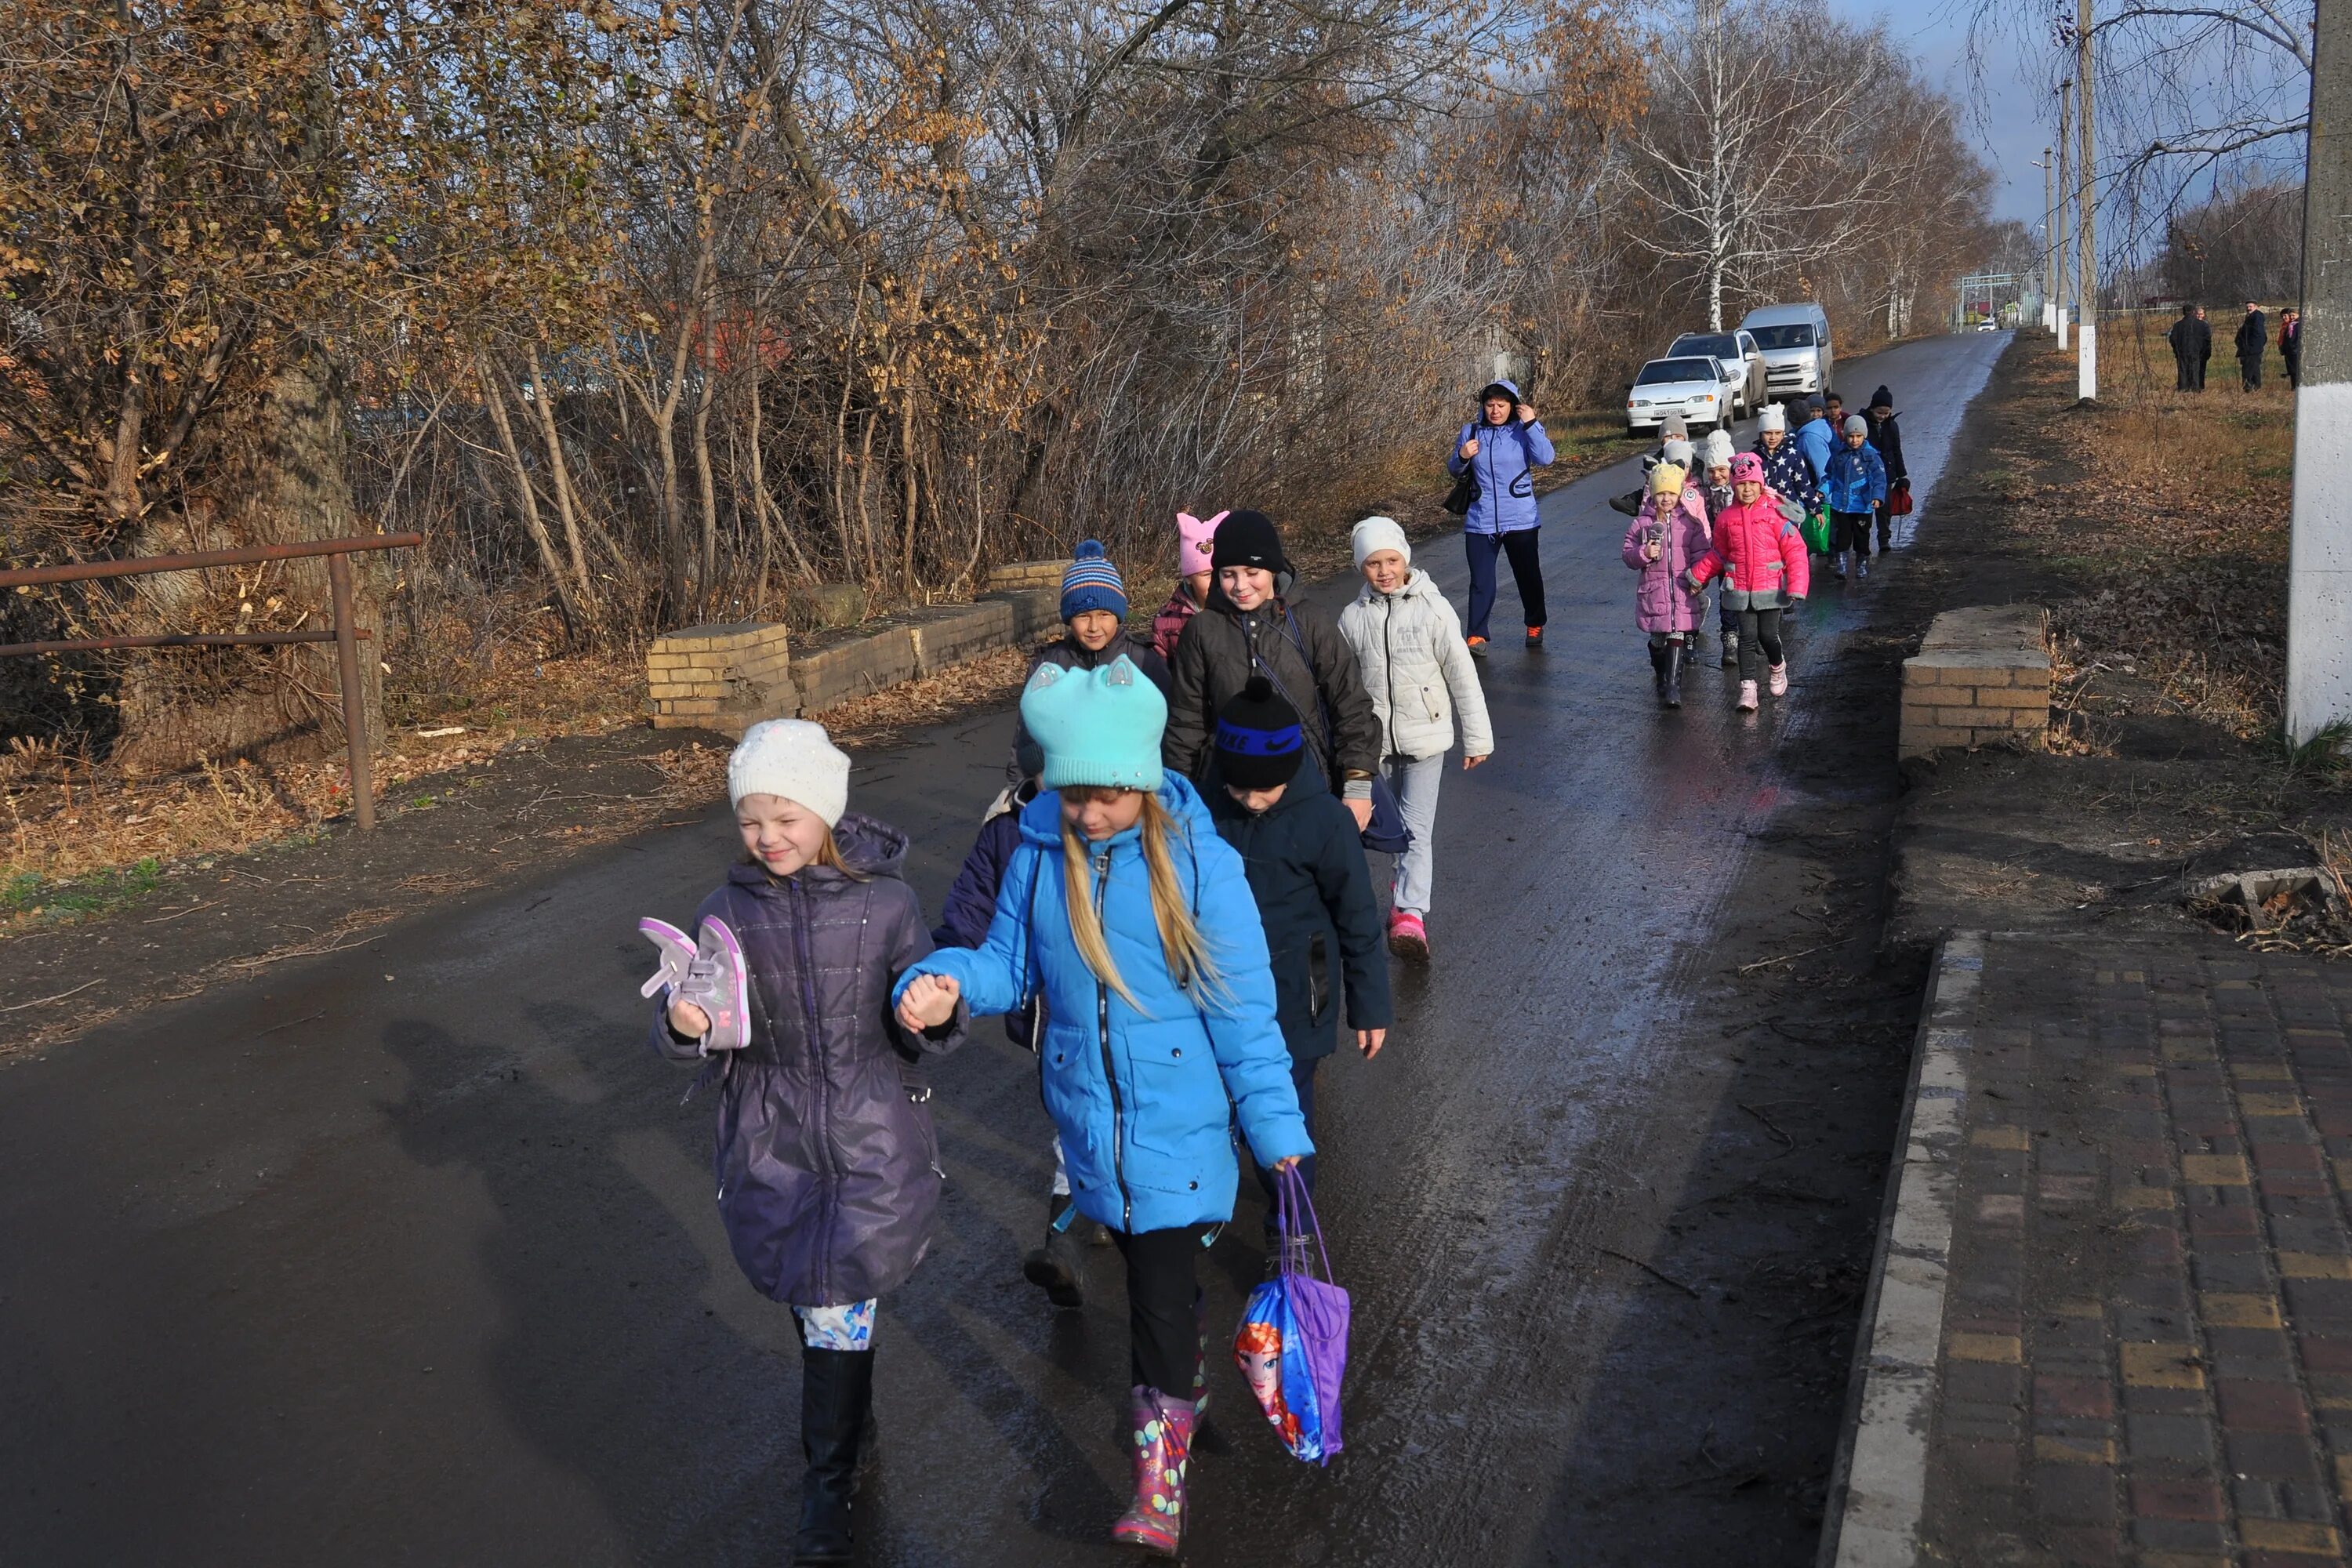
2291	344
2192	346
1500	451
2253	337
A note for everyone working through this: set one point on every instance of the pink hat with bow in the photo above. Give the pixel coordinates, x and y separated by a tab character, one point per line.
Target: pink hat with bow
1194	536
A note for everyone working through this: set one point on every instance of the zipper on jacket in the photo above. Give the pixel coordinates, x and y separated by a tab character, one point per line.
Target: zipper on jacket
817	1078
1111	1070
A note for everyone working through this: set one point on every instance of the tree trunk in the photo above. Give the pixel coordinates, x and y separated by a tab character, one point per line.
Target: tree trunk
284	482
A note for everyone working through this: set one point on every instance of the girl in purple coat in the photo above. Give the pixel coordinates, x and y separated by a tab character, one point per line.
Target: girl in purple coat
1668	535
827	1165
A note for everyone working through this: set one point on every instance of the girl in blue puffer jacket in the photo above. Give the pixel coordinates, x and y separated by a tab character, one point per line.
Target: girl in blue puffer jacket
1125	915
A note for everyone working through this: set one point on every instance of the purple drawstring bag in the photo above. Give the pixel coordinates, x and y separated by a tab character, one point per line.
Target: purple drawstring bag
1292	1345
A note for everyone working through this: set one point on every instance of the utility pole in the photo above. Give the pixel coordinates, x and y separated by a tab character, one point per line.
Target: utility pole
2058	241
2086	250
2049	249
2319	581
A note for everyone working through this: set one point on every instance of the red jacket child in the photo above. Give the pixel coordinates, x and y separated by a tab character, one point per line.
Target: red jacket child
1755	550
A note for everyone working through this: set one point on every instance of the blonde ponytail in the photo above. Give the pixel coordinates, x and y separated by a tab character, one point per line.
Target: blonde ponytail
1182	945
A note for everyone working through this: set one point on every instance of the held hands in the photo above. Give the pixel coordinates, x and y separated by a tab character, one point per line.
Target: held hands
927	1003
686	1019
1361	810
1370	1042
1470	448
1289	1164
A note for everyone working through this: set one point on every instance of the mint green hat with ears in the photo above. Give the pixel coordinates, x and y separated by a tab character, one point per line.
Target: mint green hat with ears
1098	727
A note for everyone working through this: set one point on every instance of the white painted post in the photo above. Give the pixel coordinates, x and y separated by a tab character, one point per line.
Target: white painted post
2062	327
2087	214
2319	561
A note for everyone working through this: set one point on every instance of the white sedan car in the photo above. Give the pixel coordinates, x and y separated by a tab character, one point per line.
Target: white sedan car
1696	387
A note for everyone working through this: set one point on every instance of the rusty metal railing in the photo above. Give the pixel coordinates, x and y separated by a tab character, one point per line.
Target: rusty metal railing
345	636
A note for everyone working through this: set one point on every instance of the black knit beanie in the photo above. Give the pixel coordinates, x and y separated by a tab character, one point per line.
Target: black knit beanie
1259	742
1248	539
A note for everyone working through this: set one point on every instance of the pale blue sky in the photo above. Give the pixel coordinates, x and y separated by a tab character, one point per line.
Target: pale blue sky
2007	114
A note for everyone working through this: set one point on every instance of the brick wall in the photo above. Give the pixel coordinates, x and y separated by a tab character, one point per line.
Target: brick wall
1981	678
704	676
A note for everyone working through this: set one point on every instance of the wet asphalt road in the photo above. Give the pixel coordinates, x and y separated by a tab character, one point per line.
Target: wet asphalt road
434	1276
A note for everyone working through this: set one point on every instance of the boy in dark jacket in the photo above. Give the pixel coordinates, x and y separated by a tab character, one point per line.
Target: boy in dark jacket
1306	868
1095	634
1249	629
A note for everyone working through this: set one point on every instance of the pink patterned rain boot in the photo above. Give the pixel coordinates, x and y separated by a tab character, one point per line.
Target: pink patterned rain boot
1163	1446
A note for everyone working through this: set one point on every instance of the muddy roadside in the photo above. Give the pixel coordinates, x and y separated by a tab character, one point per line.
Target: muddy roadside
2155	533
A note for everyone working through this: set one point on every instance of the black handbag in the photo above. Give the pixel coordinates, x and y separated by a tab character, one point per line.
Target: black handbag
1464	493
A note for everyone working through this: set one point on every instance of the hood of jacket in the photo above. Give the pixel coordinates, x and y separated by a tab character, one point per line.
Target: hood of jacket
1507	386
868	847
1418	584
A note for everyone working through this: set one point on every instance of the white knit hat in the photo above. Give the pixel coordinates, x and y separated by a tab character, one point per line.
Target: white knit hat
1772	417
1719	448
793	758
1375	535
1677	451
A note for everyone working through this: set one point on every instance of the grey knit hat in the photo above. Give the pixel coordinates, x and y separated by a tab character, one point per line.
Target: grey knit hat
1855	425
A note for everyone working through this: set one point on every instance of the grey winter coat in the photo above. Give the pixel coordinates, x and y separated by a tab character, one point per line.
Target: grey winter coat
1296	647
828	1172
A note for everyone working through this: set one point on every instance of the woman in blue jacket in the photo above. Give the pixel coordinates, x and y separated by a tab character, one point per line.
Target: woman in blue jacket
1125	915
1501	450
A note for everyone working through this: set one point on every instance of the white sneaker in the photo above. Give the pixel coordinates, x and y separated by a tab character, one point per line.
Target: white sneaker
1779	673
1747	697
1861	567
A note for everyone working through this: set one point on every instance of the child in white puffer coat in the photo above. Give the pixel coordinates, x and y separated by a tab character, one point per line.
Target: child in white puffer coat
1408	642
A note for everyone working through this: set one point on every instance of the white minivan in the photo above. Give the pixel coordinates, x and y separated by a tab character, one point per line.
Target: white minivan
1795	339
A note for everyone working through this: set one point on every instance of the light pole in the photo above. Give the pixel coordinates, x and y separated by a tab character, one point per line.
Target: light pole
2058	239
2086	251
2048	247
2319	560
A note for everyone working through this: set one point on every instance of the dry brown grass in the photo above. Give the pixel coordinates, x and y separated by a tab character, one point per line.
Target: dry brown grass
2185	513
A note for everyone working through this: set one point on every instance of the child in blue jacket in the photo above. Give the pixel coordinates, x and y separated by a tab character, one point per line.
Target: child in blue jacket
1857	487
1130	921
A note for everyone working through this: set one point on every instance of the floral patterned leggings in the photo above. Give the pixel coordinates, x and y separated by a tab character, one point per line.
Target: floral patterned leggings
849	1328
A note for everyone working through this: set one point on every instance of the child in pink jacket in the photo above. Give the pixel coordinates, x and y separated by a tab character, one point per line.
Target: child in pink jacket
1762	560
1668	536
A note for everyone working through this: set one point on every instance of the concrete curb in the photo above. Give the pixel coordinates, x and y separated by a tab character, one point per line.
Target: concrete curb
1878	1486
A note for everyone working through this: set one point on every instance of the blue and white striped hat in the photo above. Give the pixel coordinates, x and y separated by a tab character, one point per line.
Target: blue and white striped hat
1092	583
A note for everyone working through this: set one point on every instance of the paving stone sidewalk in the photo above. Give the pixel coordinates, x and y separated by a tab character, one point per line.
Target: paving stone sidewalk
2146	1337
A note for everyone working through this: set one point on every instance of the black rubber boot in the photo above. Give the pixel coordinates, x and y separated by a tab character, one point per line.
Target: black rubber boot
836	1393
1658	672
1059	1267
1672	694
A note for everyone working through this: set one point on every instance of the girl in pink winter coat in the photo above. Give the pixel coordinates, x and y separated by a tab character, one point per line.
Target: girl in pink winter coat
1761	558
1667	538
